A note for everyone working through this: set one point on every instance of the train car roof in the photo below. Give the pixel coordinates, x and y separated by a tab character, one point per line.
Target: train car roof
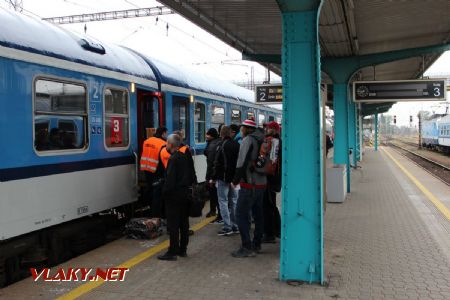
445	119
36	36
185	77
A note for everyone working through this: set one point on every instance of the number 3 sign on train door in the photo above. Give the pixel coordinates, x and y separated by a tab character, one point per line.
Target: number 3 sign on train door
116	130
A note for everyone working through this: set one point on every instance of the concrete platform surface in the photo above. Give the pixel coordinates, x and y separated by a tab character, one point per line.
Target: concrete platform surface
384	242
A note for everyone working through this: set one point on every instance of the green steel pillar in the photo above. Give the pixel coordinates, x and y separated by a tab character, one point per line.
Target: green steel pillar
358	133
341	128
376	132
301	256
352	132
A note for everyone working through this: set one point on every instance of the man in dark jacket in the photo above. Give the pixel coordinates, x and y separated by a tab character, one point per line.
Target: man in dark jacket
252	186
223	173
180	177
212	144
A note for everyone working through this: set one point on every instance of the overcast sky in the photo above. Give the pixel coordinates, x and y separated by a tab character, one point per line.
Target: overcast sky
183	43
186	44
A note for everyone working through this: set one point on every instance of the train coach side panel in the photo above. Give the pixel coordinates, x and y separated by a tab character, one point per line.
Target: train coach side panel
40	189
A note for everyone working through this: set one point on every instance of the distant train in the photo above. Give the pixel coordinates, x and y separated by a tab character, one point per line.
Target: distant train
74	113
436	132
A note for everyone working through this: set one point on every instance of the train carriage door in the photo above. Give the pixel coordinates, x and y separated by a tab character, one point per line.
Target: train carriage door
150	115
180	117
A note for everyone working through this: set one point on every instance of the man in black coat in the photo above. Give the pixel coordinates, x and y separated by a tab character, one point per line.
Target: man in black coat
180	177
212	144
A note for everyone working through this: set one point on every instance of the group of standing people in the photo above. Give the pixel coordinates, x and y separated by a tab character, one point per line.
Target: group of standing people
243	176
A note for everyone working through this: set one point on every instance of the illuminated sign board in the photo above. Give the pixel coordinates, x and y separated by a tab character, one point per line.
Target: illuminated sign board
269	93
396	91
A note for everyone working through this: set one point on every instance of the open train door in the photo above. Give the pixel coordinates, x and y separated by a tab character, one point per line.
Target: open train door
150	116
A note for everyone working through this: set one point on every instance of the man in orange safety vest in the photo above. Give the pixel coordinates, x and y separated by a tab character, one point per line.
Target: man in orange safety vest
153	171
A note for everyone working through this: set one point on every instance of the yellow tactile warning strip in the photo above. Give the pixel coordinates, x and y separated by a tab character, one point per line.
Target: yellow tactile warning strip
87	287
439	205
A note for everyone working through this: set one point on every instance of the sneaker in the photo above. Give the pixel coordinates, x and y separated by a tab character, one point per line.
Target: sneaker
210	214
243	252
217	221
182	253
167	256
269	240
235	230
257	249
225	232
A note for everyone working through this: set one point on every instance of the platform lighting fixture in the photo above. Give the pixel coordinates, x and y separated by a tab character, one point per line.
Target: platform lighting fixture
191	98
133	87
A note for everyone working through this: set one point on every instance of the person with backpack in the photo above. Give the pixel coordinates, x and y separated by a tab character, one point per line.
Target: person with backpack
223	173
272	220
250	176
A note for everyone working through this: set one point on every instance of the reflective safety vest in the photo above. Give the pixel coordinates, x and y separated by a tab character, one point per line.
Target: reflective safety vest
165	155
183	149
150	154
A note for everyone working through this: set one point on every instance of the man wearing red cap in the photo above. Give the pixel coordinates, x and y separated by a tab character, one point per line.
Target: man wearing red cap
251	193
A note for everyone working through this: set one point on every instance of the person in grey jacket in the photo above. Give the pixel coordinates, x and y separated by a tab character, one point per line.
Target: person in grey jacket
251	192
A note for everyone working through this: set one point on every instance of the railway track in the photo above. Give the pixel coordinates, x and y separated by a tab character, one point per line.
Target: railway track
436	169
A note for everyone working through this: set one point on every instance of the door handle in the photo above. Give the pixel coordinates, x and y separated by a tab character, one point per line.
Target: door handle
136	166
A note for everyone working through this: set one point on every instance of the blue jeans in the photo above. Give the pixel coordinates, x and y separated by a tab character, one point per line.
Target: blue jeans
227	204
250	203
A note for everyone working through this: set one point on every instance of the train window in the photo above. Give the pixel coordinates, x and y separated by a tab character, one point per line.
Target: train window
218	116
155	112
261	119
236	116
116	118
200	122
60	115
250	115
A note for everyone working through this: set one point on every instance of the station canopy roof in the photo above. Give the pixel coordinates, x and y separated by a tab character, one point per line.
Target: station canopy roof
346	28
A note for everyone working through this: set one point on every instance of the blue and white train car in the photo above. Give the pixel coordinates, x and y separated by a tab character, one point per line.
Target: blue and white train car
430	131
444	133
74	113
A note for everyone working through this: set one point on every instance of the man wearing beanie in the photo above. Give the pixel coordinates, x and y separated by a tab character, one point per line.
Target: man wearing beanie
212	144
251	193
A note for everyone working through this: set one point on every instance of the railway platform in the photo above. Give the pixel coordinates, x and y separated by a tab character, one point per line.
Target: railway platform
389	240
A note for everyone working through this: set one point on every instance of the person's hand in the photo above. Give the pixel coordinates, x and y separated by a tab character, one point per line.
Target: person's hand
233	186
212	182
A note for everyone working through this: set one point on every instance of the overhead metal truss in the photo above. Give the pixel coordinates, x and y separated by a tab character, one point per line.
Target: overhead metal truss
112	15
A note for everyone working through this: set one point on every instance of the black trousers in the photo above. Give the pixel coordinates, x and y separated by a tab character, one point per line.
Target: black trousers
177	213
213	199
272	220
154	195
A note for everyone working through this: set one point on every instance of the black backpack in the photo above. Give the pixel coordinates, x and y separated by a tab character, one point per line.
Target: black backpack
197	198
